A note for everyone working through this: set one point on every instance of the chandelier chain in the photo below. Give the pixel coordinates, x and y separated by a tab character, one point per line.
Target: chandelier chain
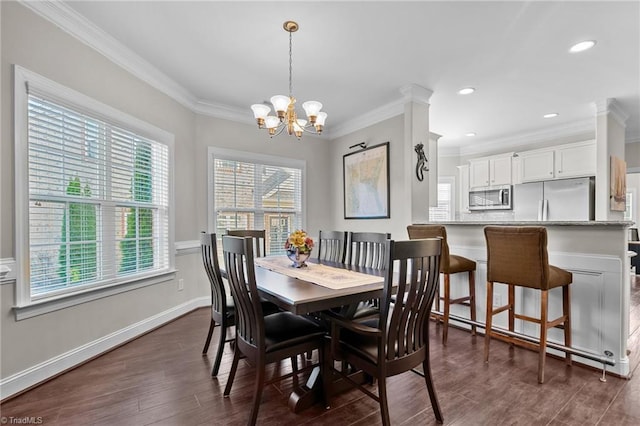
290	66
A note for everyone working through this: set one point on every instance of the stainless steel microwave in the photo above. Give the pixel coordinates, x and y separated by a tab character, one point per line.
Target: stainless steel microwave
494	198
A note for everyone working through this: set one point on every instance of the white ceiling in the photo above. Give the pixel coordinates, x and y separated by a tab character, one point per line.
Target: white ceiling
355	56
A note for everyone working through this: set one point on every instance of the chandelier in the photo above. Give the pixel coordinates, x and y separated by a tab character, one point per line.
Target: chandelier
284	107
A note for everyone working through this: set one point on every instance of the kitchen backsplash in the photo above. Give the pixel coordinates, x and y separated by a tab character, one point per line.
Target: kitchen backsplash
488	215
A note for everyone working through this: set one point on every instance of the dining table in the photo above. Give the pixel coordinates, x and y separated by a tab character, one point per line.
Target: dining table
316	287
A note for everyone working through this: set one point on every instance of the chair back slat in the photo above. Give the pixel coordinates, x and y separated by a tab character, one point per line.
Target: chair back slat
414	267
367	249
332	246
238	258
209	251
258	239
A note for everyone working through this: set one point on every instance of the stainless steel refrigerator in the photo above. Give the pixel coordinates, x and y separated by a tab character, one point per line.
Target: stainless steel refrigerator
555	200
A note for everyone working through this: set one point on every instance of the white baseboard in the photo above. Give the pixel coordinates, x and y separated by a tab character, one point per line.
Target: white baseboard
41	372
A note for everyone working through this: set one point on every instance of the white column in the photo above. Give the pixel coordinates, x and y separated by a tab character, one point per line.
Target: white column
420	194
610	140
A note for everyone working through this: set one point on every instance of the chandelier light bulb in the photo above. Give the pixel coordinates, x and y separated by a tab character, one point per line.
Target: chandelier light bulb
280	104
312	108
260	112
271	122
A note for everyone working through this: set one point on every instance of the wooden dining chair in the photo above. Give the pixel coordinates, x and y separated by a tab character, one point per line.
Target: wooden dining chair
222	305
366	249
332	246
397	340
258	239
263	339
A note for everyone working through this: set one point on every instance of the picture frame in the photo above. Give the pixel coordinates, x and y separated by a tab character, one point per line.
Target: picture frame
618	184
366	189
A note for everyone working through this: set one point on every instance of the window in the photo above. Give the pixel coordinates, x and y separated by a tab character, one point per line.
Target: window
251	191
445	200
628	213
92	193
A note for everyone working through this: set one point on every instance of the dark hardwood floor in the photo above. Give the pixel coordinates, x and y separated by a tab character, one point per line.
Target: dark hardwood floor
162	379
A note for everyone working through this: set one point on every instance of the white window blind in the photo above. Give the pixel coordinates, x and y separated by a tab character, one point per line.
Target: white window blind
98	199
256	195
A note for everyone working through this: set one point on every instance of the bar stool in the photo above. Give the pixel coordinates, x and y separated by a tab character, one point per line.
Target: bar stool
517	256
449	264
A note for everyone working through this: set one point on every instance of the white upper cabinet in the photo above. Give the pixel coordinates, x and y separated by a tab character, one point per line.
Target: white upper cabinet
576	160
536	165
490	171
500	171
560	162
463	188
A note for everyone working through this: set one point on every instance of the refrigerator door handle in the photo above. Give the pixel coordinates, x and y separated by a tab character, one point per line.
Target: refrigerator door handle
540	205
545	210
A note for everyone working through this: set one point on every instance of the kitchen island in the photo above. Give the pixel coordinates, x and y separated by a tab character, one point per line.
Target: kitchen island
595	252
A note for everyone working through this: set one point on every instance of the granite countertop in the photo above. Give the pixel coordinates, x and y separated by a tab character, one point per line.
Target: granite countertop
613	223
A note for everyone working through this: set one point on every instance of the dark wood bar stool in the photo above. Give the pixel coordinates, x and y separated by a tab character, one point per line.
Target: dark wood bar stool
517	256
449	264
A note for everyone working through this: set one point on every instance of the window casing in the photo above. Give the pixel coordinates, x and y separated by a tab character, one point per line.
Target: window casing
93	193
254	191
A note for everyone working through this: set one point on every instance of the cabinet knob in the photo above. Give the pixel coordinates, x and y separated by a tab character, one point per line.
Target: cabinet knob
559	171
550	173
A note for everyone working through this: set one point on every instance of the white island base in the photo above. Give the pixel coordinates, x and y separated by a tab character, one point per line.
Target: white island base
595	253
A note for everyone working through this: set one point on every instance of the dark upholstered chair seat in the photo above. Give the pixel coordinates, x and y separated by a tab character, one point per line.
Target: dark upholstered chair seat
365	346
267	308
459	264
284	329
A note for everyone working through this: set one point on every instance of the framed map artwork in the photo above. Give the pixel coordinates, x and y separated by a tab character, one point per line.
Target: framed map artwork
366	183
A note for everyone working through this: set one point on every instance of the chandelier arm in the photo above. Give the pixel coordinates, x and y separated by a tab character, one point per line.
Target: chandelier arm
280	128
308	128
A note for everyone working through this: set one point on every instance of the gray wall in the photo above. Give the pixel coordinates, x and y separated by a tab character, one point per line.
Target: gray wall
227	134
632	156
392	131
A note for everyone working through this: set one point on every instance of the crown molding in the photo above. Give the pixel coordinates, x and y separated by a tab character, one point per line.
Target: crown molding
367	119
512	142
611	106
223	111
85	31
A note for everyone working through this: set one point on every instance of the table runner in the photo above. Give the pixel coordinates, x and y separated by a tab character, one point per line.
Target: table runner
326	276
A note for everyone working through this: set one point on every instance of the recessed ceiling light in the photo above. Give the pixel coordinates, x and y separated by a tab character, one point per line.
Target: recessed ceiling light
550	115
470	134
466	91
582	46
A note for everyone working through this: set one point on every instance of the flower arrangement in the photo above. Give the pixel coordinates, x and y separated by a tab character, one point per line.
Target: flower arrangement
299	240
